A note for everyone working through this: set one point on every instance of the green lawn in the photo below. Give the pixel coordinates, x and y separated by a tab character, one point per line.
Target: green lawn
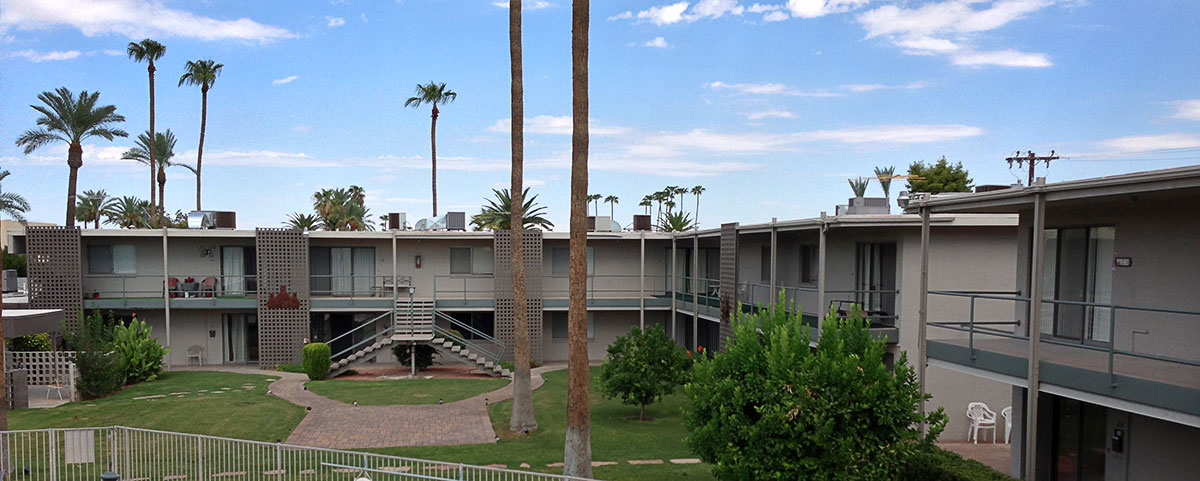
404	391
236	413
614	438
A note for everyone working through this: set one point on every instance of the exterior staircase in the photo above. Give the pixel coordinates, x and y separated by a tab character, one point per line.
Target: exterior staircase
413	323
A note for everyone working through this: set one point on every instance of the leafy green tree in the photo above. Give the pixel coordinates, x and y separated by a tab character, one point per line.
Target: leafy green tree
496	216
148	50
938	177
403	354
770	407
100	370
70	119
343	209
163	154
696	191
612	202
675	221
643	367
201	73
433	94
594	199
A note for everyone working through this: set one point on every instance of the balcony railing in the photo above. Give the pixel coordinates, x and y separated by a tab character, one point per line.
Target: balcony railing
878	305
467	287
1097	333
357	286
130	286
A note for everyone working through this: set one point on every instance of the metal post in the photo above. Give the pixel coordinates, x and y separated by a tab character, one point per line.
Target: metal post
1112	325
822	306
971	330
923	310
695	287
1034	331
395	281
642	288
166	295
773	294
674	285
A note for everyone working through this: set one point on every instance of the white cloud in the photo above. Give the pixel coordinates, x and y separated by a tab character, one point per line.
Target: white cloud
531	183
286	80
760	8
334	22
364	17
1186	109
134	19
777	16
715	8
951	27
657	42
534	5
894	134
626	15
37	57
771	114
1139	143
665	14
113	52
1002	58
819	8
56	155
555	125
679	12
768	89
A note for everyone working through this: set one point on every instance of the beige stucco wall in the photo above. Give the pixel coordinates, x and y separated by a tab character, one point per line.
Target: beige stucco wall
609	325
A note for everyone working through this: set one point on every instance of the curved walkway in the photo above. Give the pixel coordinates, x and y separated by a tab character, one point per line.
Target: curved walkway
334	424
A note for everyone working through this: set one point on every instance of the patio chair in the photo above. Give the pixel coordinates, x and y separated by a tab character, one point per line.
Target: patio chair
195	352
1007	413
981	418
173	287
208	287
57	385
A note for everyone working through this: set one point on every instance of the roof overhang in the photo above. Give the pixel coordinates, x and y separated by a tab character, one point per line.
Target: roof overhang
26	322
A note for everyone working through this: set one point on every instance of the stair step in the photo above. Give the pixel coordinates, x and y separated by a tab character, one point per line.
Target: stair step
473	356
438	340
488	365
454	347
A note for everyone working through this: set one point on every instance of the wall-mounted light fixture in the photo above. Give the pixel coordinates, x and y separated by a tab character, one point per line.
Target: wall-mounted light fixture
206	251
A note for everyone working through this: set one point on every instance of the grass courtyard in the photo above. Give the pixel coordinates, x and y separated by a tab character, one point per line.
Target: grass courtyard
404	391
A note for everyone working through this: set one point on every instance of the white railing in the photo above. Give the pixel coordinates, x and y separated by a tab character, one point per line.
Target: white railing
45	368
83	454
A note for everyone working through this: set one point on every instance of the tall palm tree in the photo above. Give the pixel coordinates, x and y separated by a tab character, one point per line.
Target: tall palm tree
203	73
66	118
93	204
300	221
646	202
497	214
433	94
522	419
594	199
148	50
696	191
577	446
612	202
130	212
164	151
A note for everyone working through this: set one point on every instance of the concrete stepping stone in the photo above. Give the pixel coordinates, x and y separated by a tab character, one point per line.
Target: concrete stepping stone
174	477
179	393
525	465
596	464
638	462
685	461
308	471
500	466
227	474
155	396
554	465
396	469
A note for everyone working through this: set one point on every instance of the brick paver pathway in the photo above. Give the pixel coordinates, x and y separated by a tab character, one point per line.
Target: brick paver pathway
333	424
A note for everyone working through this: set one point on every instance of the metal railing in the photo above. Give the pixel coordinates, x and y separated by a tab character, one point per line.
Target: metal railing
107	286
1106	343
879	305
494	353
369	333
356	286
465	287
83	454
706	287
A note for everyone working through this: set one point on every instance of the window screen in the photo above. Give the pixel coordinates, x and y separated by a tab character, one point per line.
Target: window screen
100	259
460	260
560	259
809	264
482	260
124	259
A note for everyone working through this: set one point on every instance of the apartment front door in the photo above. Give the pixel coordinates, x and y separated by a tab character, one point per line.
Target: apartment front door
1078	272
241	338
1080	432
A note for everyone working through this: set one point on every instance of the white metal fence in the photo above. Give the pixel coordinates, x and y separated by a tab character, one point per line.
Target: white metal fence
147	455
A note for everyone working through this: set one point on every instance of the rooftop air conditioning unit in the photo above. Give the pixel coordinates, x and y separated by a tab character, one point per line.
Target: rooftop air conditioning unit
397	221
641	222
456	221
604	224
212	219
9	281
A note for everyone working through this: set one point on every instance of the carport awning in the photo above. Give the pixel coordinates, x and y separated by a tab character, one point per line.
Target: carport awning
25	322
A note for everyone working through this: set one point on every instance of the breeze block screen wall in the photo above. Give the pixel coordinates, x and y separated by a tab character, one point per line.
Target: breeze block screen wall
55	270
282	264
504	322
729	280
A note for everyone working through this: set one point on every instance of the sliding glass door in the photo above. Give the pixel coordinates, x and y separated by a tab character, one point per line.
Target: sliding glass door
342	271
1078	269
237	271
875	276
241	338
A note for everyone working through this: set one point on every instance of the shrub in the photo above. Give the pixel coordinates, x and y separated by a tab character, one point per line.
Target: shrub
14	261
33	342
937	465
100	369
316	360
642	367
769	407
290	367
424	355
141	355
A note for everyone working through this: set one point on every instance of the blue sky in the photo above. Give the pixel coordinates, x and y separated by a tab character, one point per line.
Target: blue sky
770	105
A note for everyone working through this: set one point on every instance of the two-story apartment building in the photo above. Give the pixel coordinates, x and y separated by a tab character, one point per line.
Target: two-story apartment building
1099	341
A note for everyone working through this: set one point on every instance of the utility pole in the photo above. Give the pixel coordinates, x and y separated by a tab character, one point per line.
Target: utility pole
1032	159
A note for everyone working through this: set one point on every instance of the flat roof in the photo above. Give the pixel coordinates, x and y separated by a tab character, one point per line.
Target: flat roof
382	235
867	221
1017	198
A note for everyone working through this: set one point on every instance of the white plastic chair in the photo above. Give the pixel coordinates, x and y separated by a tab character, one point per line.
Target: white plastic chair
981	418
58	385
1007	413
196	352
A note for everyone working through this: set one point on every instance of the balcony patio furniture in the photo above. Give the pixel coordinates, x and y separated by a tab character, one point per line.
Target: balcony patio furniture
172	287
1007	413
981	417
208	287
195	352
57	386
190	289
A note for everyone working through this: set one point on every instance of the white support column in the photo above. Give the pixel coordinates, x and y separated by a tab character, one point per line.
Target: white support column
822	306
1033	330
642	287
166	296
695	289
395	280
674	285
774	293
923	309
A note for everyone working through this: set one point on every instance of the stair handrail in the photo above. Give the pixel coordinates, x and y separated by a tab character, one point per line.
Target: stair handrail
462	340
370	339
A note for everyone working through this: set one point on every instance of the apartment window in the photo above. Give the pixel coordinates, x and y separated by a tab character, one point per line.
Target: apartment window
809	263
471	260
112	259
558	325
765	259
342	271
560	259
238	270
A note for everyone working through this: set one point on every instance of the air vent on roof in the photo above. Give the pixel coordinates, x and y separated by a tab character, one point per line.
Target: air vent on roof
990	188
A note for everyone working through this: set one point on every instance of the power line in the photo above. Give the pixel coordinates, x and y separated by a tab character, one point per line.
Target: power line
1032	160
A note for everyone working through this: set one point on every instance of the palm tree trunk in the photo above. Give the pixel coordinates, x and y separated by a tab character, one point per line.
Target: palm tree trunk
433	154
162	196
74	162
577	448
200	150
522	409
150	70
696	222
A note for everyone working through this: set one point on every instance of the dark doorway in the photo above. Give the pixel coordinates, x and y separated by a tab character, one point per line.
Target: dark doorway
1079	440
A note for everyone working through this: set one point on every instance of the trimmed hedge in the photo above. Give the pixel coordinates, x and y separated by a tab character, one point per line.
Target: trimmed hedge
939	465
316	358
